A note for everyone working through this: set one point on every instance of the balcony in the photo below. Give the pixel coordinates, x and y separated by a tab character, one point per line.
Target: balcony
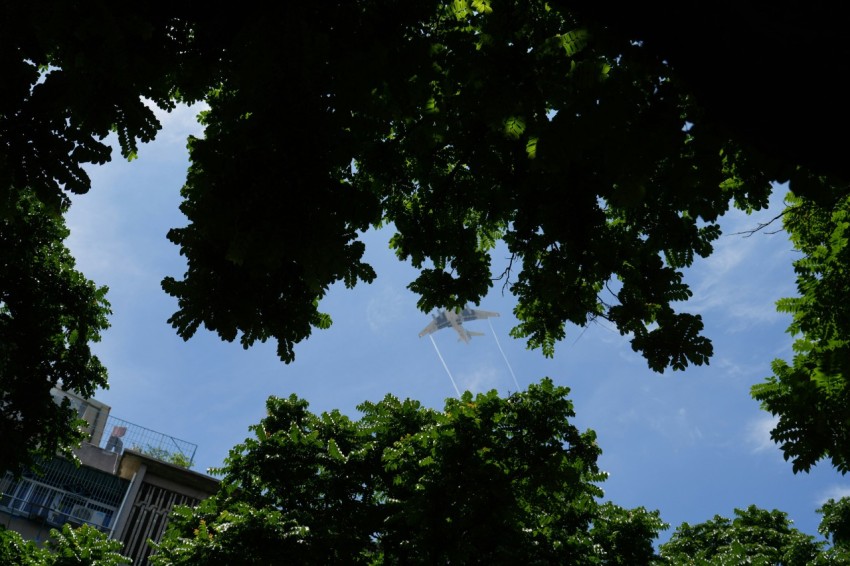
61	493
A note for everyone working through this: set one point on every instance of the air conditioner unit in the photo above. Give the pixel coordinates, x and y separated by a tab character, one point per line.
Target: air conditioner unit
56	518
83	513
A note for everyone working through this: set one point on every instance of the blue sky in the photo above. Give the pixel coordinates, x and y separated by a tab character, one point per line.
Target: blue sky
691	444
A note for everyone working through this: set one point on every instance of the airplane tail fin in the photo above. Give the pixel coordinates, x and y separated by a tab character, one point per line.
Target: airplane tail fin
465	335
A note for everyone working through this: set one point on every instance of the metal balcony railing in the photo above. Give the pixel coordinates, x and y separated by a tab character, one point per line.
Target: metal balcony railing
63	493
120	435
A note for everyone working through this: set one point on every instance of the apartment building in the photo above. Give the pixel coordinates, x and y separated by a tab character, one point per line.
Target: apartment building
129	480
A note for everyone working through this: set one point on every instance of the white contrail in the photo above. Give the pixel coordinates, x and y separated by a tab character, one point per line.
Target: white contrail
444	365
504	357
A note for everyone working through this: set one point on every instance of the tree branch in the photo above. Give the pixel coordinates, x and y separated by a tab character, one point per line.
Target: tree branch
763	225
506	274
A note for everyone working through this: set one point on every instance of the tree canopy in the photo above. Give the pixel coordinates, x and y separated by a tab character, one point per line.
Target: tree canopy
509	123
811	395
49	315
486	480
82	546
599	146
758	536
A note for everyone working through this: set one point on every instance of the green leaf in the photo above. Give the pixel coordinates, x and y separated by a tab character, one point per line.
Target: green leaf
459	9
531	147
431	106
574	41
482	6
514	126
334	451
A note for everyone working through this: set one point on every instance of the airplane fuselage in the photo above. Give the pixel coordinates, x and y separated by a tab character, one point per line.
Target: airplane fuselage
457	323
454	319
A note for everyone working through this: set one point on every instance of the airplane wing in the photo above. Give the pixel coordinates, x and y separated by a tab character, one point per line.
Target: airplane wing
439	322
429	329
475	314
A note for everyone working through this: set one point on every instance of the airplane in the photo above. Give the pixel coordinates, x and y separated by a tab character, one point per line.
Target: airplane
455	319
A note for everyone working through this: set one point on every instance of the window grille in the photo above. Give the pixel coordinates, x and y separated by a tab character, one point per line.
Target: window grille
148	518
63	494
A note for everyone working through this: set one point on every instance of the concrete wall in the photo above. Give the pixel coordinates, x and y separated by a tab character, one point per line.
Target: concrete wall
95	457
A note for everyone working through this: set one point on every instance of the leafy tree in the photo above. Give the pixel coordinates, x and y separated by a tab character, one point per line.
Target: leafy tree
835	526
624	536
49	315
811	395
601	165
754	536
500	121
72	74
491	111
487	480
600	146
83	546
14	550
